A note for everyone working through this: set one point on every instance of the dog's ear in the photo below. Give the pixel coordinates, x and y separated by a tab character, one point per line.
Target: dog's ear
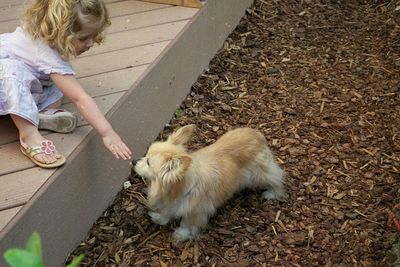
182	135
174	168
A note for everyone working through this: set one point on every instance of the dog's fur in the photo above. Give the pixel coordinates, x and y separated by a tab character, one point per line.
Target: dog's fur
192	185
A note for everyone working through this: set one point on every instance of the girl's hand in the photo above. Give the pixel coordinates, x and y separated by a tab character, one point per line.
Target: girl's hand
114	143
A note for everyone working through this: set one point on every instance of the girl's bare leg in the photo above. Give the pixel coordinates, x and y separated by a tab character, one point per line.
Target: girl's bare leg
29	134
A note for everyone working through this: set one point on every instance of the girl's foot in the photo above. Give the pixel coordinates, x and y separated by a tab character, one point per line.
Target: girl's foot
43	155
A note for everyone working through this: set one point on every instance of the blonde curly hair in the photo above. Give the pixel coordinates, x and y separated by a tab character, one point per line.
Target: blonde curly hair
57	22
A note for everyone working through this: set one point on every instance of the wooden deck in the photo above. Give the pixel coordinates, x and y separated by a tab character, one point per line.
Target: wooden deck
152	55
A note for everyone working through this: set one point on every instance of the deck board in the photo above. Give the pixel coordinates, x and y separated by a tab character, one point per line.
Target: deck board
148	35
13	190
159	16
7	215
111	82
117	60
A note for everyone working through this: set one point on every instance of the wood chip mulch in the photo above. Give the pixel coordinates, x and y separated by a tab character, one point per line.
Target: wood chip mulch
320	78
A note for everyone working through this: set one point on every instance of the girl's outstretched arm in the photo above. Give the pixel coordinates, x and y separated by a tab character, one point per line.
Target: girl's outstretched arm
72	89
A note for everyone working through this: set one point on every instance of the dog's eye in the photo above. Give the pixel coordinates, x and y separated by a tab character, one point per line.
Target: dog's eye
148	161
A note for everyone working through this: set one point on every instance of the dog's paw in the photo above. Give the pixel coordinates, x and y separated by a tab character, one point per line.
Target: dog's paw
182	234
158	218
269	194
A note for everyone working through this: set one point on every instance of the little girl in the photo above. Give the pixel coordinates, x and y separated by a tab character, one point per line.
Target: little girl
35	74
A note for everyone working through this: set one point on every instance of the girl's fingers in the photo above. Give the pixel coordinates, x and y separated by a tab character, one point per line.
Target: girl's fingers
125	151
126	148
124	156
120	150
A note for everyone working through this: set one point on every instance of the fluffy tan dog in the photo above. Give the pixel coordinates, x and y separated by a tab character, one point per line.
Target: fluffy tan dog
192	185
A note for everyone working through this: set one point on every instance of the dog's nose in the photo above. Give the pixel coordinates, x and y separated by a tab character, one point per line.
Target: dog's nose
134	162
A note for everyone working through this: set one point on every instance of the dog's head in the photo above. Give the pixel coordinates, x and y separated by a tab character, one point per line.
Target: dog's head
166	163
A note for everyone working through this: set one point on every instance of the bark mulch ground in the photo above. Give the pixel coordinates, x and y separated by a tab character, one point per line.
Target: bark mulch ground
320	78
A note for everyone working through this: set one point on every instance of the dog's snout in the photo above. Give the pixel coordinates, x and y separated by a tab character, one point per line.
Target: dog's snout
135	161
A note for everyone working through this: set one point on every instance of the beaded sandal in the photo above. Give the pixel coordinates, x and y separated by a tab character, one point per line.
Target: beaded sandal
46	147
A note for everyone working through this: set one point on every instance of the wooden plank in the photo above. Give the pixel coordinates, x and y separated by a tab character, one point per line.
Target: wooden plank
131	7
8	3
17	188
111	82
7	215
188	3
10	12
138	37
141	20
117	60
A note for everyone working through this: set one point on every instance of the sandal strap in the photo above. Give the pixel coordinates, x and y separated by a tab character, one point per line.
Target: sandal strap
46	147
33	151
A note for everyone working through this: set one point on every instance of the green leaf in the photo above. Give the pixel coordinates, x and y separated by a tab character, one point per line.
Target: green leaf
21	258
34	245
76	261
178	112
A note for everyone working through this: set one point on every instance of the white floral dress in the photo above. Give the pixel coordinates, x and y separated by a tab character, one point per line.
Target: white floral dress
25	68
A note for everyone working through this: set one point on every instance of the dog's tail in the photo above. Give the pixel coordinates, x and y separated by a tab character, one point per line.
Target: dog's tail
275	178
266	173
